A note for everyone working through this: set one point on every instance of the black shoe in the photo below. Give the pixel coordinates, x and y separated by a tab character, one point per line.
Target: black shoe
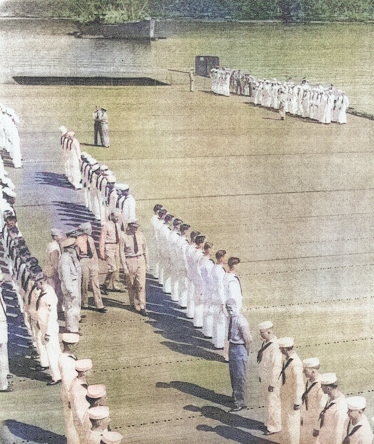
54	382
143	312
267	433
104	292
237	409
102	310
9	376
116	290
85	307
39	368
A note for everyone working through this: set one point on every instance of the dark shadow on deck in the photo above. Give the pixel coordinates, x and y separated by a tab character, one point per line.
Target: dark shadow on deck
32	434
232	423
172	324
53	179
88	81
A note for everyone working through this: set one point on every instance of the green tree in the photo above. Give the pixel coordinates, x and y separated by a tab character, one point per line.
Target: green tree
107	11
254	9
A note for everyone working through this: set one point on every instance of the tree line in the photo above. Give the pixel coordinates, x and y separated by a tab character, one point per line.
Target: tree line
116	11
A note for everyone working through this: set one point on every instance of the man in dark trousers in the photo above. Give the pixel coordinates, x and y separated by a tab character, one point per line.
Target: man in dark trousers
240	340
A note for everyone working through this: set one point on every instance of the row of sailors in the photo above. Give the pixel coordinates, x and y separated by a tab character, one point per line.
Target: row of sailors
310	412
71	153
220	79
85	406
186	270
102	194
71	266
9	136
315	102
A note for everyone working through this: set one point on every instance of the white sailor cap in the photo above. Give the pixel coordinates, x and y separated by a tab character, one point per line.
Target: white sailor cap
56	232
328	378
92	161
265	325
356	402
63	129
111	178
99	412
7	181
70	338
286	342
71	133
111	438
69	242
311	362
133	222
123	186
96	391
84	154
103	168
9	192
95	167
86	226
82	365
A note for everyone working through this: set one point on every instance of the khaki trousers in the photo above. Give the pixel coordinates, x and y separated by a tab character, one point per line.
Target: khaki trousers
112	257
135	281
90	274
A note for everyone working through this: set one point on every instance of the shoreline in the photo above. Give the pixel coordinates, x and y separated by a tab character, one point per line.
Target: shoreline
202	20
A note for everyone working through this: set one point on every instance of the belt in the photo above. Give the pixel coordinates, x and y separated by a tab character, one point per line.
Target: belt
130	257
111	243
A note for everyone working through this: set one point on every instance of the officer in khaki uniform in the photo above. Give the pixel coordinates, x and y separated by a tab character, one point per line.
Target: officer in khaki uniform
269	359
86	250
66	364
134	261
110	250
